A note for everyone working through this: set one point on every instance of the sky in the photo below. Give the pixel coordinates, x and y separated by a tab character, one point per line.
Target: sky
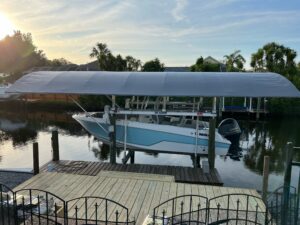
175	31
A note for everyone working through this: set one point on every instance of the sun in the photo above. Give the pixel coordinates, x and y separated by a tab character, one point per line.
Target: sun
6	27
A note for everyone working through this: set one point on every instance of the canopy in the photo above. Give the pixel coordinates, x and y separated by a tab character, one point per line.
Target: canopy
206	84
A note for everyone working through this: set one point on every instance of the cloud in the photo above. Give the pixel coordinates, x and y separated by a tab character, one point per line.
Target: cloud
177	33
178	11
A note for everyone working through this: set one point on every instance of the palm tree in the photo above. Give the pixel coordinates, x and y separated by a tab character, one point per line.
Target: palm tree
235	61
102	53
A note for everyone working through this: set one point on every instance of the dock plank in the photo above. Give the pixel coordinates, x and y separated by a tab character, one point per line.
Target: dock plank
181	174
139	193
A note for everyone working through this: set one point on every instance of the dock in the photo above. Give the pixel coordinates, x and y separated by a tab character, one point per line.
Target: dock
180	174
139	192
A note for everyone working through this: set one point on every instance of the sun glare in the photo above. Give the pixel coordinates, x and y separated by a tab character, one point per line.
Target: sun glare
6	27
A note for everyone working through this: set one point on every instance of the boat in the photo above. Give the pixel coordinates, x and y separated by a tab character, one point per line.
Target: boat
11	126
163	132
4	95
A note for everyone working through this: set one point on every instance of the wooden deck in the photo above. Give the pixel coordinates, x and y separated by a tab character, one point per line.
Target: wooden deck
140	193
180	174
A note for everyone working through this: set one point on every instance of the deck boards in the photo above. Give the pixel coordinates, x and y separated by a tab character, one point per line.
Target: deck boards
180	174
140	194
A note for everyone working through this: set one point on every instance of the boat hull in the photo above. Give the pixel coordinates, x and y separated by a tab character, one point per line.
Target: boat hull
153	137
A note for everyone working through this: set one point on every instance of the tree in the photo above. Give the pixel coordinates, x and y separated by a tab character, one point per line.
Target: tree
120	63
59	62
103	56
275	58
18	54
234	62
153	65
108	62
132	64
202	66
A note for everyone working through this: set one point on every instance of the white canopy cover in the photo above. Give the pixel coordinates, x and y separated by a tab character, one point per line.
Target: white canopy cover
206	84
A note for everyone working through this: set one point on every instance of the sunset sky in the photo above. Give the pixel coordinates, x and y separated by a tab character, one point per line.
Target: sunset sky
176	31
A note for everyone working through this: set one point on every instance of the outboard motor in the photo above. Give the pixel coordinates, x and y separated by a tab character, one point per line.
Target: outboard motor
230	129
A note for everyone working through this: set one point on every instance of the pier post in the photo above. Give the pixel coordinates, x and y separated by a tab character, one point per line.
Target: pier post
258	108
211	143
113	142
265	178
132	156
287	181
55	146
36	166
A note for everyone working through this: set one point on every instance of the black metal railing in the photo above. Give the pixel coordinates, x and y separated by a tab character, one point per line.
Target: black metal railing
224	209
38	207
7	207
238	209
34	206
185	209
96	210
283	204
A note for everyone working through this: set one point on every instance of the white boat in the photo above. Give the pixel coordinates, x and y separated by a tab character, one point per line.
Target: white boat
10	126
146	132
4	95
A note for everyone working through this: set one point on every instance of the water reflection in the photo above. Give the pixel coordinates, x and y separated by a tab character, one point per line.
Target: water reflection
19	130
270	138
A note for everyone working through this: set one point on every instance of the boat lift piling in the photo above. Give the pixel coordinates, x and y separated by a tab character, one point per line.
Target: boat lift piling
112	132
211	143
36	166
130	155
55	146
265	177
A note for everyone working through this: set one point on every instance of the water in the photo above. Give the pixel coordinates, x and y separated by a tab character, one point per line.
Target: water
19	130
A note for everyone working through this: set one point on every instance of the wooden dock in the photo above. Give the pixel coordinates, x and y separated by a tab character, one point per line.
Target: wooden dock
180	174
140	193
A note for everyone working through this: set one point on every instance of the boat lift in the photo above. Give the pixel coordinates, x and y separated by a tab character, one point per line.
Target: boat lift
157	84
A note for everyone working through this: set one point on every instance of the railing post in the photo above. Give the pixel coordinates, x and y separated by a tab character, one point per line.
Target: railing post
211	143
265	178
36	167
287	182
55	146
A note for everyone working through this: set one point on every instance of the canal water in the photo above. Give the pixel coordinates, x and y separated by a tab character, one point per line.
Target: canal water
18	130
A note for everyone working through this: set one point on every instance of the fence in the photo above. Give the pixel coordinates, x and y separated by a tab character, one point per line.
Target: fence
283	204
224	209
36	207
